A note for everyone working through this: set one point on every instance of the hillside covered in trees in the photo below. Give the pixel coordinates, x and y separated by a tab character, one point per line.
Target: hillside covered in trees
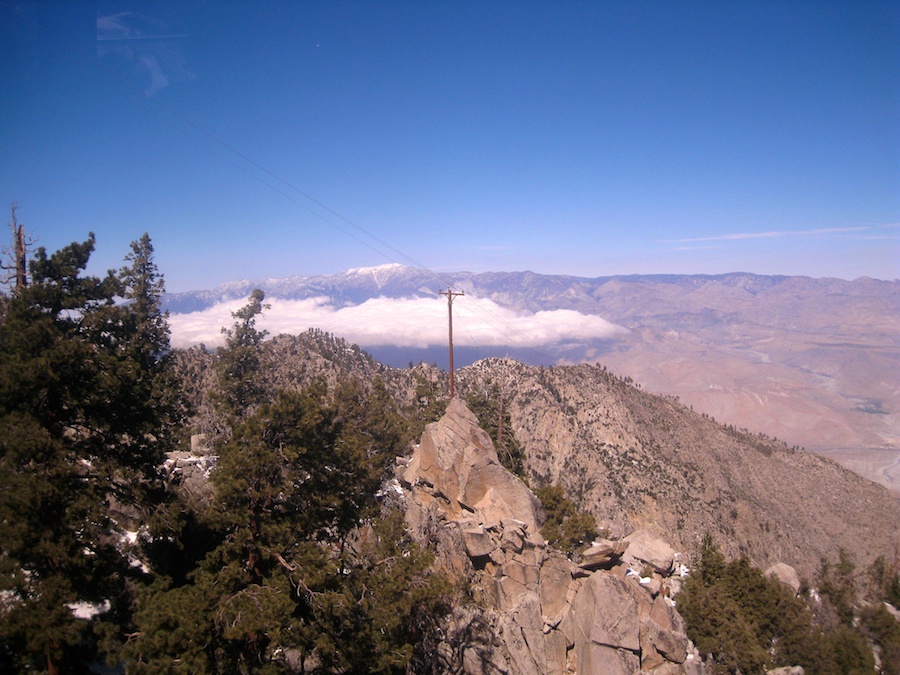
235	511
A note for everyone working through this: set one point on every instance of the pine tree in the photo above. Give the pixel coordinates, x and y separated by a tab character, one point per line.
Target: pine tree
294	569
143	288
566	528
744	622
487	405
76	434
239	364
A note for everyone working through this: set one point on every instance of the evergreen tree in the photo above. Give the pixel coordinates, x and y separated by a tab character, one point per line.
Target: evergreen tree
743	622
837	584
487	405
241	387
301	566
150	394
143	286
429	405
387	606
566	528
76	434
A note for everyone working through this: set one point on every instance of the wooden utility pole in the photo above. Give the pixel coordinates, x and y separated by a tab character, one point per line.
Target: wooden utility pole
450	295
500	419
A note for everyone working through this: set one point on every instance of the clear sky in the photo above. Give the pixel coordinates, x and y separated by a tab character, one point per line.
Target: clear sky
268	139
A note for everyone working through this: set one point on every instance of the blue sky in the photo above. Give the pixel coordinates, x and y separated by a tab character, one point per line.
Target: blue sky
268	139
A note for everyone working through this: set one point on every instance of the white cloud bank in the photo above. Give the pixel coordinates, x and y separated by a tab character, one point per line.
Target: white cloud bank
415	323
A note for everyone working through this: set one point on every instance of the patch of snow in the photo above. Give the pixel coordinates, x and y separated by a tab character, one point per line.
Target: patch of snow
388	267
379	274
88	610
137	564
392	485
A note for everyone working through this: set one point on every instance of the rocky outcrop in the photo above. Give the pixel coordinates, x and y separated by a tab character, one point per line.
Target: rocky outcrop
644	548
535	611
191	470
457	459
786	574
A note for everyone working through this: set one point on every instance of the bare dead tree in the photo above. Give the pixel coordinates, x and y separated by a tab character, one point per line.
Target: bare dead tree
15	257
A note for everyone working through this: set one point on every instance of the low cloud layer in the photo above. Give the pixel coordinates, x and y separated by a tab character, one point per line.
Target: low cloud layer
416	323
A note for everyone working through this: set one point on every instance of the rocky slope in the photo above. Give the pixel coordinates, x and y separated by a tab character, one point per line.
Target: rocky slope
633	459
636	460
533	611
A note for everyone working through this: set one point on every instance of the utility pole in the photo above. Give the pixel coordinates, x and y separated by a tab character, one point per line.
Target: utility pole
500	419
450	295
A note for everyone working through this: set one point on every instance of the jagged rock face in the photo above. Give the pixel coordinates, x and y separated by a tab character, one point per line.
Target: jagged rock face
537	612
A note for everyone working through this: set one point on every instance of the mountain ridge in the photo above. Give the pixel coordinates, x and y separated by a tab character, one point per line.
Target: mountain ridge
813	361
298	286
633	459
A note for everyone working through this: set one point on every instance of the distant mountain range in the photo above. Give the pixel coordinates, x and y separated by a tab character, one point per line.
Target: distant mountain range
814	362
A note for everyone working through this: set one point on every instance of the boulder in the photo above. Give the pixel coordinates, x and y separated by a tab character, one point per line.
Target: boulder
602	553
554	653
520	652
527	575
666	630
646	547
786	574
478	543
513	537
511	593
556	578
199	446
457	460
